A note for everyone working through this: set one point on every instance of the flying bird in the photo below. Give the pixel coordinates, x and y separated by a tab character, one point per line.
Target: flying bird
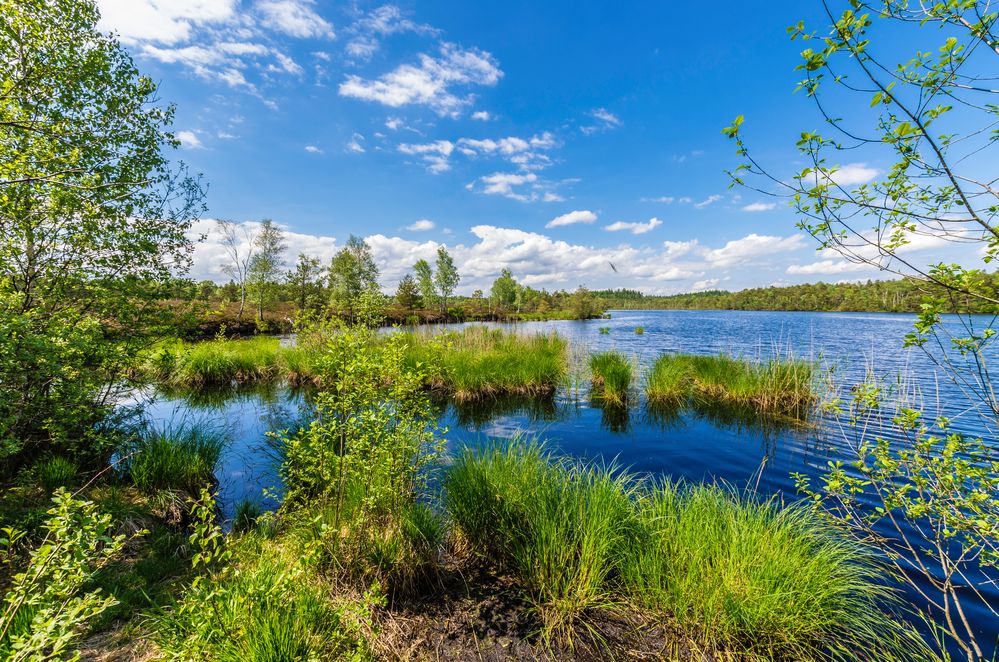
612	266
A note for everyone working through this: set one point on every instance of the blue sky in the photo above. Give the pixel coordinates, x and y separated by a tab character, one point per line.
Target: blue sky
552	138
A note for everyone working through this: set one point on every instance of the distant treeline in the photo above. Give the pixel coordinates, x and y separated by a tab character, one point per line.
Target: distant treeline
897	296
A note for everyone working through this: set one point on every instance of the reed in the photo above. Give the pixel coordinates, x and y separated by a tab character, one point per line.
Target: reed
778	386
611	376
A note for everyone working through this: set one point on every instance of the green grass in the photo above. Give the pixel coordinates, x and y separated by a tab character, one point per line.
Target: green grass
559	526
478	362
782	387
216	362
611	375
179	458
54	472
733	575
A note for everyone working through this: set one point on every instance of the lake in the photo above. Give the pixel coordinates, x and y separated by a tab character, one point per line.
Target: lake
693	445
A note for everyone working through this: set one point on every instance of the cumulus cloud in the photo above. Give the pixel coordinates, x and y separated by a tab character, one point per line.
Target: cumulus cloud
634	228
163	22
431	82
481	116
210	260
839	266
189	140
705	284
760	206
526	153
422	225
436	154
581	216
750	248
663	199
312	149
295	18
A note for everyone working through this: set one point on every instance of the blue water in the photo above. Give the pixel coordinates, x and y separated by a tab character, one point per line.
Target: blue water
696	446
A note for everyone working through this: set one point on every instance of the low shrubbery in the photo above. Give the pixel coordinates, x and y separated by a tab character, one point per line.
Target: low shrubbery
733	574
778	386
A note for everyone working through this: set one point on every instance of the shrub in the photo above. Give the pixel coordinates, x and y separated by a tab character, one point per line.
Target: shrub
639	330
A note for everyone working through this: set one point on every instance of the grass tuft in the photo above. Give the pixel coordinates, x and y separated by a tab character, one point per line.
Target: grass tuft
743	578
478	362
173	458
778	386
611	375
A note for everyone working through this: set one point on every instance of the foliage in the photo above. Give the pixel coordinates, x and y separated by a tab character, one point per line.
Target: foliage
257	600
503	292
54	472
264	269
583	304
352	273
94	221
365	459
936	477
305	282
898	296
446	276
46	605
425	281
407	295
930	116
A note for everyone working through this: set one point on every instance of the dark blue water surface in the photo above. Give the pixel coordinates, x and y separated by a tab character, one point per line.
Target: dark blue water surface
693	445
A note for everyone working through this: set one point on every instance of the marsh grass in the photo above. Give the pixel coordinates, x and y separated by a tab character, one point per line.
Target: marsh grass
611	376
734	575
778	386
54	472
219	362
174	457
478	362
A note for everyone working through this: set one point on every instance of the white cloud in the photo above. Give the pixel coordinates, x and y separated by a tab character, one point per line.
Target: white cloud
751	247
503	183
634	228
525	153
760	206
225	135
827	267
580	216
354	145
677	248
381	22
481	116
705	284
189	140
162	22
664	199
431	82
435	154
209	256
851	174
710	200
295	18
422	225
312	149
606	120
